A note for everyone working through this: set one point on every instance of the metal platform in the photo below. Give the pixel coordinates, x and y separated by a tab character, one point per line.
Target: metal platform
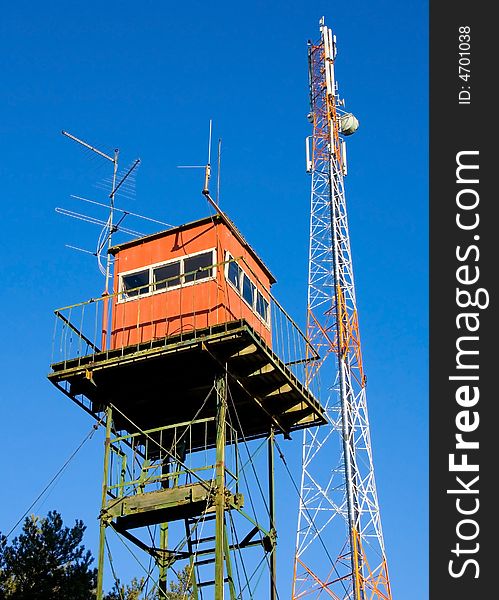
165	506
167	381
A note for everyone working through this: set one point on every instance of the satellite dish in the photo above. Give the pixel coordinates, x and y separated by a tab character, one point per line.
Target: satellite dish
348	124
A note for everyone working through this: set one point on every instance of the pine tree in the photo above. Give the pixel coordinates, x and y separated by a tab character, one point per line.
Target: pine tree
47	561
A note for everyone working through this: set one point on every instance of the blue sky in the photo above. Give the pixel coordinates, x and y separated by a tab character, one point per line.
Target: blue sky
147	78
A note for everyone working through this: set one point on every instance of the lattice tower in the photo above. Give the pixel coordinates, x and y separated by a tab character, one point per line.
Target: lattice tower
340	551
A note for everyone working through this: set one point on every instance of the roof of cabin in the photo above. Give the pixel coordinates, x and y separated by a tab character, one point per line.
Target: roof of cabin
218	218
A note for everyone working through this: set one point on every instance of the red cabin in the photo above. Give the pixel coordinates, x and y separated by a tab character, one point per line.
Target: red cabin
187	278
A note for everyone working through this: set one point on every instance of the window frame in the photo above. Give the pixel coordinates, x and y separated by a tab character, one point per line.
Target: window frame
239	290
183	272
153	283
267	306
251	288
137	289
152	292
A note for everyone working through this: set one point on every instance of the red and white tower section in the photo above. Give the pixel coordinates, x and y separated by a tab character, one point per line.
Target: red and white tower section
340	551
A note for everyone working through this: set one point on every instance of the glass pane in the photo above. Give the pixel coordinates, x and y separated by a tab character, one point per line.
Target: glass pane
234	274
248	290
139	280
262	307
166	276
198	264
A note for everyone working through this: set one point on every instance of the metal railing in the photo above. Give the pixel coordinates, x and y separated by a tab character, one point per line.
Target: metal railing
137	460
114	324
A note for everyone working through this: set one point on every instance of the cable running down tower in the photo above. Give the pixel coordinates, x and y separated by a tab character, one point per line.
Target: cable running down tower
340	551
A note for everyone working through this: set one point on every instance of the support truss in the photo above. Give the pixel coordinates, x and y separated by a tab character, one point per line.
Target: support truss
340	551
187	509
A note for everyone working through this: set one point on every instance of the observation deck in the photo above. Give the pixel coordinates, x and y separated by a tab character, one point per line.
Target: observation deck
190	304
166	382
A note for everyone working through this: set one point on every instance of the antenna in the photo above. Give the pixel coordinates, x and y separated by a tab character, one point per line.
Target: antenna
219	154
96	150
128	212
108	227
206	167
206	190
124	178
109	223
208	164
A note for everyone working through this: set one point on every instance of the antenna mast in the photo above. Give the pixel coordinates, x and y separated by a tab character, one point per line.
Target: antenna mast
109	224
109	227
339	546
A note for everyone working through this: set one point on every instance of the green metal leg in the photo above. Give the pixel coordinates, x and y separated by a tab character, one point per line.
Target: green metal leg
192	568
273	584
163	564
103	524
221	391
228	564
192	578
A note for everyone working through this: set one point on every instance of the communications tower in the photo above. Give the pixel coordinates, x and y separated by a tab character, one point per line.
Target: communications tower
340	551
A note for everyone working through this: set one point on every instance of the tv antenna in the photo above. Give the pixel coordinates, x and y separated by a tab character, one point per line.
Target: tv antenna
207	171
109	226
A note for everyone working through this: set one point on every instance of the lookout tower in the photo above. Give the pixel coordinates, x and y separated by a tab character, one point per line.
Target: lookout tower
188	362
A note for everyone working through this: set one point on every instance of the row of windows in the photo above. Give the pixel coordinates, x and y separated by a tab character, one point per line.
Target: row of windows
169	275
190	269
247	289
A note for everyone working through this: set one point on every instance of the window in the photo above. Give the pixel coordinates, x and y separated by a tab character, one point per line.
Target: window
136	284
169	275
247	289
196	267
234	274
166	276
262	307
